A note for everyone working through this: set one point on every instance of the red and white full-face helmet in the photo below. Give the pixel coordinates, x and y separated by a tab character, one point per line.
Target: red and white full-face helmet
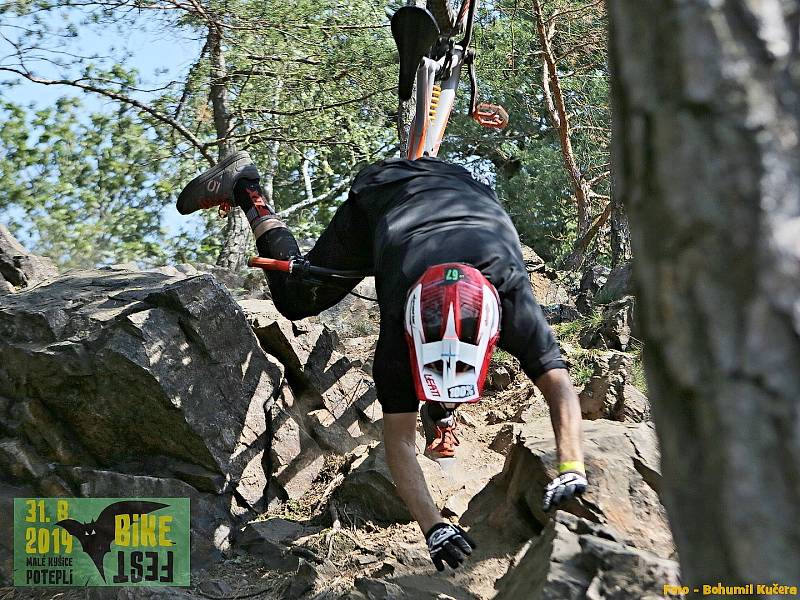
452	321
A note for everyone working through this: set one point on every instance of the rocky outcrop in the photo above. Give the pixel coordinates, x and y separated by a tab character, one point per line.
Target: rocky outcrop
118	381
592	280
19	268
622	465
328	404
543	279
616	330
560	313
575	559
609	393
618	284
321	377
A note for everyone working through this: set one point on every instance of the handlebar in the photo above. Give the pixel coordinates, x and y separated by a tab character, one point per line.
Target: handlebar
300	267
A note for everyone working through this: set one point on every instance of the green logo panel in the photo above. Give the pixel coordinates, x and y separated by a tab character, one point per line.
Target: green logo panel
101	542
452	275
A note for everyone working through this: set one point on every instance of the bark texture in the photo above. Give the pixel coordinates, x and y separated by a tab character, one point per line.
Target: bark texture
237	239
620	233
706	153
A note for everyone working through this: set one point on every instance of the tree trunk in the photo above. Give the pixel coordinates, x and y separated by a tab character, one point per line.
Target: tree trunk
705	139
268	176
237	240
620	232
556	108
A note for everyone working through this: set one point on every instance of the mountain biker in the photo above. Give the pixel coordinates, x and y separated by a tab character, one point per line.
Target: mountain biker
448	271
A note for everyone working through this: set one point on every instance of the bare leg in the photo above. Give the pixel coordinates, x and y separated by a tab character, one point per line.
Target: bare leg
399	436
565	413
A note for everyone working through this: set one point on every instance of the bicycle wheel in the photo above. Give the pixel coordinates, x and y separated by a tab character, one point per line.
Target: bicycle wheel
450	15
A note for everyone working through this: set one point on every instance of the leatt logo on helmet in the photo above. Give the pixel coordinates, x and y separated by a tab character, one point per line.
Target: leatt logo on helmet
432	385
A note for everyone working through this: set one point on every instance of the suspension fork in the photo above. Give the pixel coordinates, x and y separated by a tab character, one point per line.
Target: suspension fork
434	103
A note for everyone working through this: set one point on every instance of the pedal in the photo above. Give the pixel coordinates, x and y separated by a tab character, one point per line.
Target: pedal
493	116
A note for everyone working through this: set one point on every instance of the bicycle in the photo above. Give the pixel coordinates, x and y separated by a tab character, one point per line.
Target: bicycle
430	55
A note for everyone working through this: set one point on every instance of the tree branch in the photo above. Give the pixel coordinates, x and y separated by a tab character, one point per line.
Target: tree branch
332	193
166	119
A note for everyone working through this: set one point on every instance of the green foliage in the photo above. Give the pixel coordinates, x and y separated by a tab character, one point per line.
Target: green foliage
525	159
501	357
571	331
310	93
581	366
581	359
86	191
638	377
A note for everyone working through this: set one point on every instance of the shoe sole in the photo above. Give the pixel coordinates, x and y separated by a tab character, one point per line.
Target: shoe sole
196	185
438	456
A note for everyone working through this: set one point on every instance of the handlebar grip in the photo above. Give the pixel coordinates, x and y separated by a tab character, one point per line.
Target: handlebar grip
270	264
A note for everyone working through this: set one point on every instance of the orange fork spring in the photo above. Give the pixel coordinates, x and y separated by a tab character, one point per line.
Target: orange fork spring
435	95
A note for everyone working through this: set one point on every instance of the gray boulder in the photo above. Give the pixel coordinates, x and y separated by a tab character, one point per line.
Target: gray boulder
575	559
622	466
116	382
379	589
592	280
500	377
617	327
18	267
618	285
137	365
560	313
609	393
295	457
320	376
543	280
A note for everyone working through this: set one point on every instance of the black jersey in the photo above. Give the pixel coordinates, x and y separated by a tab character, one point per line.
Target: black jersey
414	214
400	218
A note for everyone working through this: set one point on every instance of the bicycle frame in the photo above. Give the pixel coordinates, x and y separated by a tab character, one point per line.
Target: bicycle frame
434	103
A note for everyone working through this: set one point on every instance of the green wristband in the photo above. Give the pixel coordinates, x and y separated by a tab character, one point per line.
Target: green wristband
572	465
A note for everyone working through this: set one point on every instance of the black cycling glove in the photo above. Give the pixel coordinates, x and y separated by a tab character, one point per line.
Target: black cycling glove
448	543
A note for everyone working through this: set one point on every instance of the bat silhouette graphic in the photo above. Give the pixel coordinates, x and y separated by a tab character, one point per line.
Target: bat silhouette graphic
96	536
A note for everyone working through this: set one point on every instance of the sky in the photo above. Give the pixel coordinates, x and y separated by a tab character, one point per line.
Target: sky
159	54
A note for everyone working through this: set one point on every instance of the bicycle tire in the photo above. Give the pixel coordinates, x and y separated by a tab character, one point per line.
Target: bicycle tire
445	13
